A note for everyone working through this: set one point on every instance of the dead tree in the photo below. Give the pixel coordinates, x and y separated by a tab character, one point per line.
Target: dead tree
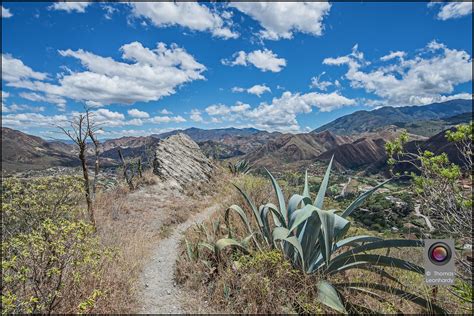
79	134
91	131
128	173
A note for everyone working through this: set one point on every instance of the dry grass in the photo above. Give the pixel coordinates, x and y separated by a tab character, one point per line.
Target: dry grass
132	223
266	283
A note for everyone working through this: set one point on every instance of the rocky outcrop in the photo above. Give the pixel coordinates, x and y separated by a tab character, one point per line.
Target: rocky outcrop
179	160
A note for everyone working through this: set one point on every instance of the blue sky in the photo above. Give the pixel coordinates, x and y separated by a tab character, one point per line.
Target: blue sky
145	68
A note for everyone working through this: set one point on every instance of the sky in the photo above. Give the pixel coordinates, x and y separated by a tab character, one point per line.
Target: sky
144	68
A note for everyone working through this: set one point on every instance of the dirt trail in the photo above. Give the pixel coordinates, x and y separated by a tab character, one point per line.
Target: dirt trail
160	295
427	220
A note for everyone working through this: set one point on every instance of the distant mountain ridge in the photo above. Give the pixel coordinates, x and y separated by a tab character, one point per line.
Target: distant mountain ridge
356	140
366	121
202	135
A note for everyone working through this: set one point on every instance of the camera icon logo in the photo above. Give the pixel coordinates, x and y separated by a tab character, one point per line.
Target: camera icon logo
439	253
439	261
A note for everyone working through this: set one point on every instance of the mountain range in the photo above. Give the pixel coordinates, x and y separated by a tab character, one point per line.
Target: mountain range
356	140
366	121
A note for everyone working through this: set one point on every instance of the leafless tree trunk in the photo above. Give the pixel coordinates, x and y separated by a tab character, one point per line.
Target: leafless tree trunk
127	173
78	134
91	130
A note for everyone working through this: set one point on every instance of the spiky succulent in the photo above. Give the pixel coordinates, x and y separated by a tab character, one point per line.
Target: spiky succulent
315	241
242	166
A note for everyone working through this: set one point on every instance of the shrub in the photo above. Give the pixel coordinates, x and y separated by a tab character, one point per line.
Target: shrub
315	241
48	252
240	167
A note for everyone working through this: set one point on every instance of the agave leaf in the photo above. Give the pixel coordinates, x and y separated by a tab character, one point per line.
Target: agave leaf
251	204
329	296
280	196
246	240
189	250
358	202
395	291
341	226
356	239
295	202
379	260
223	243
381	244
266	230
241	213
301	215
281	234
318	202
277	217
207	246
327	236
306	185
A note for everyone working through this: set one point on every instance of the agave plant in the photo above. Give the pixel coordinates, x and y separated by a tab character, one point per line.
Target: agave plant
315	241
242	166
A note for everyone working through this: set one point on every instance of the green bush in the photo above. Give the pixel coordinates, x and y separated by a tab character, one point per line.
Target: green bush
48	252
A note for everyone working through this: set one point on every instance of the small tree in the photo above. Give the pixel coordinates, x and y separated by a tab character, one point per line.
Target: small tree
79	132
439	185
92	129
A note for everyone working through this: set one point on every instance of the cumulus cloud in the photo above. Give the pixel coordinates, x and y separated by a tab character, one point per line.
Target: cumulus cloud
264	60
225	111
14	70
70	6
33	120
454	10
21	107
319	84
148	75
392	55
35	97
192	15
167	119
283	19
427	77
166	112
6	13
257	89
138	114
196	116
281	114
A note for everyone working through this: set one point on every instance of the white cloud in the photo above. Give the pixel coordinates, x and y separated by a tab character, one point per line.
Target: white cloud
196	115
35	97
167	119
137	113
429	76
283	19
15	70
151	75
264	60
281	114
33	120
191	15
166	112
70	6
392	55
322	85
109	11
22	107
454	10
6	13
257	89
